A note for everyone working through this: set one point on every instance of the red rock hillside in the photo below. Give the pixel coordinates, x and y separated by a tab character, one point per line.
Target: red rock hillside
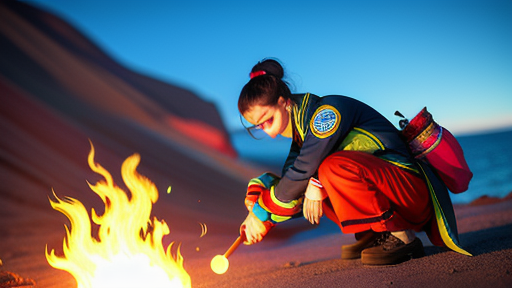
58	90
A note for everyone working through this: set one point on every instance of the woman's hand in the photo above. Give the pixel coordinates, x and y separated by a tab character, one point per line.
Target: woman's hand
315	194
313	210
254	229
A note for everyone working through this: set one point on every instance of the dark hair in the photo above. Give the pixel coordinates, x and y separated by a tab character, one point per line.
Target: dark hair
264	89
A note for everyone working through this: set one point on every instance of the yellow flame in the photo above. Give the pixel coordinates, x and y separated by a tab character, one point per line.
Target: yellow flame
128	251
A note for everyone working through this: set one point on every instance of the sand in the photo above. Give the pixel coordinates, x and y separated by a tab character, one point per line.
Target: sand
294	254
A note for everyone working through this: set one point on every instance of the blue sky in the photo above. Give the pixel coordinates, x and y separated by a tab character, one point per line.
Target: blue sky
455	57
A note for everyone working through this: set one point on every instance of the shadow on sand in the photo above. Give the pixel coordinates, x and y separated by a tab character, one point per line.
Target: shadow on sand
481	241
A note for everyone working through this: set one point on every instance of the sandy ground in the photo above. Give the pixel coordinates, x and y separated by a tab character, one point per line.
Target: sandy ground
294	254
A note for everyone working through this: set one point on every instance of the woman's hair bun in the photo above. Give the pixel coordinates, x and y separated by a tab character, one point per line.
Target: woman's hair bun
270	66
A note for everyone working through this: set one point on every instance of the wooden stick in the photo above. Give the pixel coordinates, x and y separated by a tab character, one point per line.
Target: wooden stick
233	247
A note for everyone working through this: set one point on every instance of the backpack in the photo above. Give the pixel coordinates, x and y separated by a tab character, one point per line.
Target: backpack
435	145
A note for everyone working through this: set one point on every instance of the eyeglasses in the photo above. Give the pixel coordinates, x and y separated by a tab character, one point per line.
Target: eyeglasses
256	131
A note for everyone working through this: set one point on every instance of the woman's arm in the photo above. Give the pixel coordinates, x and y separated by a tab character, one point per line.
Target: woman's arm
326	127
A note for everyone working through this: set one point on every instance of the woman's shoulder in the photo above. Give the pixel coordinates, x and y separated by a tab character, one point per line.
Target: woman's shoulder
310	97
340	101
333	97
311	102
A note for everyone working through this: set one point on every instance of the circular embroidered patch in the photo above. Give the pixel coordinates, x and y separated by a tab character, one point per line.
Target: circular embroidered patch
325	121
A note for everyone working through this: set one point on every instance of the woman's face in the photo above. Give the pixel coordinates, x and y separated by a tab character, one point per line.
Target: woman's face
273	120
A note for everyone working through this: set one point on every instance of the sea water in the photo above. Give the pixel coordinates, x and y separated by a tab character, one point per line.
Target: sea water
489	156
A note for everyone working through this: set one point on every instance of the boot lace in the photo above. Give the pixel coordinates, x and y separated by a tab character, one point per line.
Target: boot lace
388	241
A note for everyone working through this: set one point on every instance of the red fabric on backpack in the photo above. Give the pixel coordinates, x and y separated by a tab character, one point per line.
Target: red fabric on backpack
437	146
448	160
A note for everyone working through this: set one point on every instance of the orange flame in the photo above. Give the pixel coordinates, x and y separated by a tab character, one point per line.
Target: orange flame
129	250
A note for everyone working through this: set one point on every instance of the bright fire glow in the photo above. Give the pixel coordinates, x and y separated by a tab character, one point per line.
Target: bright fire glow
128	250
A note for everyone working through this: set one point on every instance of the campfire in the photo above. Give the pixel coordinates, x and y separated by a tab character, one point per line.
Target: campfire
127	250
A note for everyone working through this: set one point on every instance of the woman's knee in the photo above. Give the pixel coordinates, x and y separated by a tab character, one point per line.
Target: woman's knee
339	164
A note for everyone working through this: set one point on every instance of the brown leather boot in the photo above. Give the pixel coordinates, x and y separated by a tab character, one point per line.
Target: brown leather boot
364	239
392	250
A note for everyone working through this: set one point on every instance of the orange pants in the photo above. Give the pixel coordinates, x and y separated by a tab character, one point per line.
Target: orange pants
366	192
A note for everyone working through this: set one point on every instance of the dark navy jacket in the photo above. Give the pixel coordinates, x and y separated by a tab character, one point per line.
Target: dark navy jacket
324	125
